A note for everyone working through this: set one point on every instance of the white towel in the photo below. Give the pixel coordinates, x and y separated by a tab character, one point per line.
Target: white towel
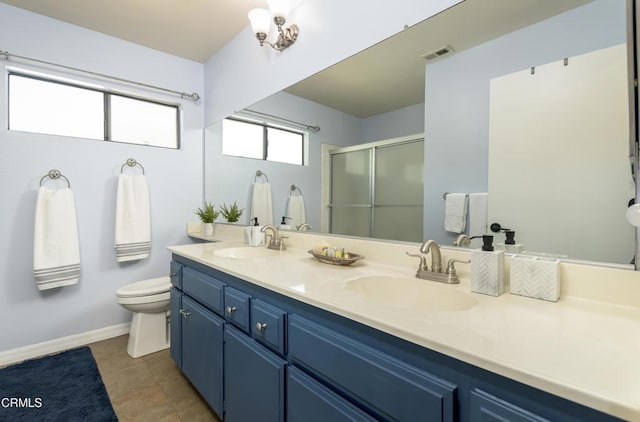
478	203
261	204
56	254
133	219
455	218
295	211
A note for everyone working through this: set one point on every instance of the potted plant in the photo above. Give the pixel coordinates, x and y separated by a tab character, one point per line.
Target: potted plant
207	215
232	213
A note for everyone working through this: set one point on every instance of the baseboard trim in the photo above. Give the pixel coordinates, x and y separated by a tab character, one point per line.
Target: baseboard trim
57	345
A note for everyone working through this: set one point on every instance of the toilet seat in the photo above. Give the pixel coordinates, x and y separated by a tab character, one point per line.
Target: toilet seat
153	286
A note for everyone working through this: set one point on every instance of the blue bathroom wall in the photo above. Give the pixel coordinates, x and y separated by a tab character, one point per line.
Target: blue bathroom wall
174	177
457	96
393	124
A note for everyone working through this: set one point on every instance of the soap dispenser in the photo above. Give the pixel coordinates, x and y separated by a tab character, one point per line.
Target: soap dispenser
510	244
257	237
284	225
487	269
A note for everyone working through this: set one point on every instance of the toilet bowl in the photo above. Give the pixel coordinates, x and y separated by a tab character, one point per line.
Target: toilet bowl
149	302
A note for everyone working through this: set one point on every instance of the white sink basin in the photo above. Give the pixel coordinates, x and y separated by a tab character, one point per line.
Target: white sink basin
246	252
410	293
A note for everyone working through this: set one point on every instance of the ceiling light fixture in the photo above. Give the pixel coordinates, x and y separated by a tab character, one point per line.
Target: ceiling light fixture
261	23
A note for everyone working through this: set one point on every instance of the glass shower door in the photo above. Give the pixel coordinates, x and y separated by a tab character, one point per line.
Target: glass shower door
351	192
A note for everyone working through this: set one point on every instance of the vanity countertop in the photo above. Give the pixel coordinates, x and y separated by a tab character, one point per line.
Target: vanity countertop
582	350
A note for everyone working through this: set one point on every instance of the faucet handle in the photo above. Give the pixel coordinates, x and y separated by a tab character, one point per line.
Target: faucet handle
423	260
451	269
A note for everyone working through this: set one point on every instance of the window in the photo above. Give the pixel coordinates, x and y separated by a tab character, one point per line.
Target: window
262	141
59	108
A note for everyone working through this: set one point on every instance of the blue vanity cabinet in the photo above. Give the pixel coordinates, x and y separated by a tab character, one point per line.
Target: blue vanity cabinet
268	325
202	351
175	324
387	386
205	289
310	401
236	308
175	274
254	380
488	408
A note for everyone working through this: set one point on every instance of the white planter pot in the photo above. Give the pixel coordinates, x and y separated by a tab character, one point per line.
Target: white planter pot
207	229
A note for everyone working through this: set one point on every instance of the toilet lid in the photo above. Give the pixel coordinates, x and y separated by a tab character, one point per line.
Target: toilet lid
148	287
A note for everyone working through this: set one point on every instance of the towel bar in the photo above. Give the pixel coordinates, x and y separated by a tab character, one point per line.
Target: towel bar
55	174
131	162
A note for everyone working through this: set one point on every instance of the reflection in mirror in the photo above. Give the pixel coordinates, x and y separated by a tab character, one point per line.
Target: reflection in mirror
489	39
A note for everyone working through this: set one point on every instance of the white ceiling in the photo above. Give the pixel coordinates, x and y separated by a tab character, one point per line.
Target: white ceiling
193	29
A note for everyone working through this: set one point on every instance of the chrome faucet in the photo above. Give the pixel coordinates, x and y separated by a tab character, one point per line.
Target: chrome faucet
435	274
275	240
430	246
304	226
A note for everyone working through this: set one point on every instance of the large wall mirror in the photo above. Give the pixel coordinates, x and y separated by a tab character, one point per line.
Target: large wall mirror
409	85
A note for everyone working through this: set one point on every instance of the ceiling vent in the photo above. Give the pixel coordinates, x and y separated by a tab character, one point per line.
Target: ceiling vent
438	53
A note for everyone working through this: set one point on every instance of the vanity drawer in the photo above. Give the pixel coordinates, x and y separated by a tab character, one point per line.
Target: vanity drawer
268	325
387	386
486	407
204	288
175	274
236	308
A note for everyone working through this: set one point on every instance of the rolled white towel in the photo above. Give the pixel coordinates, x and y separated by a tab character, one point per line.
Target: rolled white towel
56	252
133	219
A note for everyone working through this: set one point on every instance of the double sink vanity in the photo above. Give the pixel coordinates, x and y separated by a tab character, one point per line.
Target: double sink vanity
277	335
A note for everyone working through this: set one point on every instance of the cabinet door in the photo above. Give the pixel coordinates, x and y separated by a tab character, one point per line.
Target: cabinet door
175	326
310	401
488	408
202	348
253	381
383	384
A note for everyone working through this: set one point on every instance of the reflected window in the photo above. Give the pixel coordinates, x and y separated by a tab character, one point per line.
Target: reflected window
262	141
52	107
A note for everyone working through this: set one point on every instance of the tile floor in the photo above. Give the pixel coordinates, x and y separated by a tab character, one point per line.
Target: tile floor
149	388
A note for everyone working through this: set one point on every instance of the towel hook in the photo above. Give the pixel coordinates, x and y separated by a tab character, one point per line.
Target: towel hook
260	174
55	174
131	162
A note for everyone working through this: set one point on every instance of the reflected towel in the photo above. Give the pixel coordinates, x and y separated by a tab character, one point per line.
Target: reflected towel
478	203
56	252
455	218
133	219
295	211
261	204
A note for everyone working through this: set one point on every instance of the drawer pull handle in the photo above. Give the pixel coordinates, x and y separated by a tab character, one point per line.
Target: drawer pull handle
184	313
231	309
260	326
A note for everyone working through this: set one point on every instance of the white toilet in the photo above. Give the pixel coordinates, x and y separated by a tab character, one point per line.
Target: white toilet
149	302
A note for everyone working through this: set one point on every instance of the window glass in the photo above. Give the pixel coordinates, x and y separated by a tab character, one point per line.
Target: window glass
54	108
261	141
284	146
143	122
242	139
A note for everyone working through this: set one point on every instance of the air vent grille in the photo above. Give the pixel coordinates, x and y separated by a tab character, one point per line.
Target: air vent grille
438	53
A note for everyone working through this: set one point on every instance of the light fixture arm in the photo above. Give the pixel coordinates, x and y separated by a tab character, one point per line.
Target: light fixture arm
286	36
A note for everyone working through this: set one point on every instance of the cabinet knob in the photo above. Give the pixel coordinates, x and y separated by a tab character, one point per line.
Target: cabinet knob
260	326
172	275
231	309
184	313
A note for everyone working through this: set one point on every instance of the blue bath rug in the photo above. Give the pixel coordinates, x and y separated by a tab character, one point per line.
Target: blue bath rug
63	387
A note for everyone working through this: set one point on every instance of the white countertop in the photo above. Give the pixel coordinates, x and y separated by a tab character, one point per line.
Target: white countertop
582	350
